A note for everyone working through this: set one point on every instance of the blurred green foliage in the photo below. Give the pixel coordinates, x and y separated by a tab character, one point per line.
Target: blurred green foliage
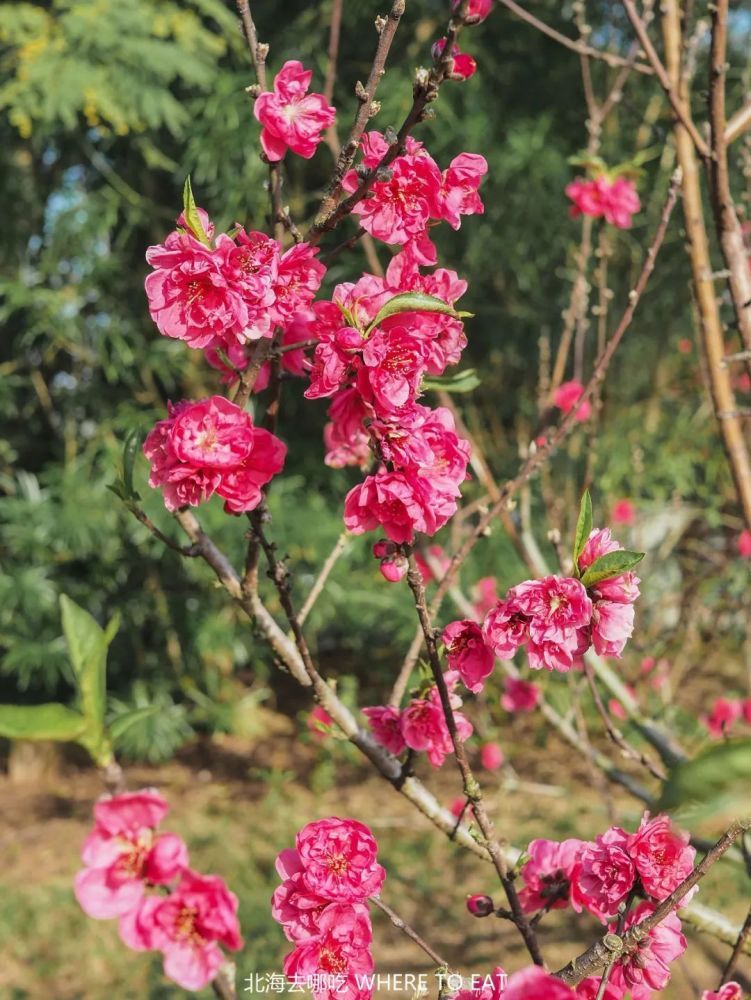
104	109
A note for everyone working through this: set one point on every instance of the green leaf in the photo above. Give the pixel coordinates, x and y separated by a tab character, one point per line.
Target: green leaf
464	381
191	216
88	643
715	781
126	720
131	448
583	527
414	302
41	722
610	565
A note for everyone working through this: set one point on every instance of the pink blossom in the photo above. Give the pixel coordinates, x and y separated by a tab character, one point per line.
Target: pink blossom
211	447
566	397
722	717
423	723
623	512
647	967
616	200
398	502
491	756
520	695
385	721
318	722
298	279
187	927
662	856
292	118
532	983
191	292
547	874
399	209
338	958
604	875
347	441
459	183
477	10
744	544
123	853
730	991
393	364
296	907
556	607
338	860
612	626
589	989
506	627
463	66
468	654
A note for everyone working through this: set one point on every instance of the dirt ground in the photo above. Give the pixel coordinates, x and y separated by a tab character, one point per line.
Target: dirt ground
237	806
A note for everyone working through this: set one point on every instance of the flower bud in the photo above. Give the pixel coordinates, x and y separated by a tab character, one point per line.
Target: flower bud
394	568
480	905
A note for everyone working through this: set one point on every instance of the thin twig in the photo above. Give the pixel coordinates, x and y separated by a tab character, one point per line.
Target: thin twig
738	950
411	933
471	787
321	579
681	110
570	43
365	96
614	733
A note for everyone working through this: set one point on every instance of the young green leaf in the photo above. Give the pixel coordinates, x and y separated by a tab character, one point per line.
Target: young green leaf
191	216
87	646
414	302
583	528
713	782
131	448
464	381
41	722
610	565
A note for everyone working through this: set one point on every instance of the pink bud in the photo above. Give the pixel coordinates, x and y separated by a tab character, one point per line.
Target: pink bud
394	569
491	756
480	906
744	543
382	549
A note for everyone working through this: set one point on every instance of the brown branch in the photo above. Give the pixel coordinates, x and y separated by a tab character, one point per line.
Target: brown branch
570	43
223	983
190	551
471	787
600	953
614	733
707	305
727	223
679	106
539	456
320	582
739	948
249	376
739	123
366	108
412	934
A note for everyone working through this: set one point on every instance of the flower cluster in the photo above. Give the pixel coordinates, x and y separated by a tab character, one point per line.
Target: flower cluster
421	726
125	859
322	906
559	618
208	447
291	117
600	197
222	293
651	863
416	192
370	360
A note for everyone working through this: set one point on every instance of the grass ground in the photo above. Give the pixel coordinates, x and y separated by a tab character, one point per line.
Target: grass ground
238	806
